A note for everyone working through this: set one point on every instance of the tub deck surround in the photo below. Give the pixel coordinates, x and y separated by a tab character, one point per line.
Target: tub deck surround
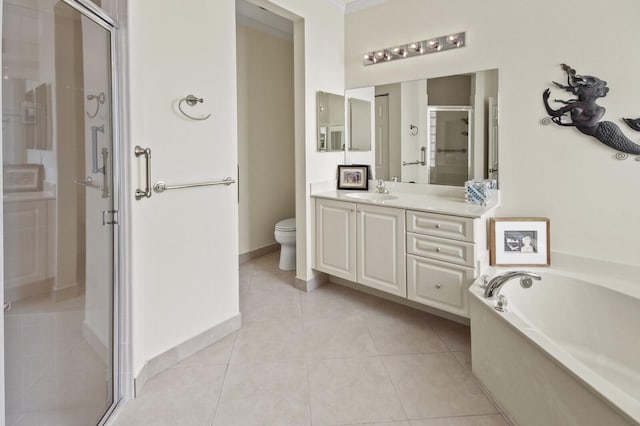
564	340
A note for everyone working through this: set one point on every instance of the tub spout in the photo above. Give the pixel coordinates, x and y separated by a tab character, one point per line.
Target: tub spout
494	286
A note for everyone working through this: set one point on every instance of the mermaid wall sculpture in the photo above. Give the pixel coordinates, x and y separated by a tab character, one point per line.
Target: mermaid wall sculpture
584	114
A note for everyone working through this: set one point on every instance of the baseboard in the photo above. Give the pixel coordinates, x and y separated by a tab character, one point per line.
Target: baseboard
400	300
98	346
315	282
25	291
184	350
66	293
259	252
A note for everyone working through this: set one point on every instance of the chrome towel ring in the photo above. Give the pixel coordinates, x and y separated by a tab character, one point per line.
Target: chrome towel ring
99	101
192	100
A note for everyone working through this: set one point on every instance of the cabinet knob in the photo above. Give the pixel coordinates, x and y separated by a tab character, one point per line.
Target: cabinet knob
437	249
437	225
438	286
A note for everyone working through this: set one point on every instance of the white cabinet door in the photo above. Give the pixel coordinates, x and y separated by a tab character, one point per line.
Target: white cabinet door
380	247
25	243
335	238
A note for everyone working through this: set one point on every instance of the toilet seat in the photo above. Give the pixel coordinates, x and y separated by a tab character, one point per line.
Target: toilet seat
286	225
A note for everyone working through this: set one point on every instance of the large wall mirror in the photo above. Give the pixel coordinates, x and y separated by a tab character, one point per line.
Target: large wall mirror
440	131
330	118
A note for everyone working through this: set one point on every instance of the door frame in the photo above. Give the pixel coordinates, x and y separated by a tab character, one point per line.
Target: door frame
121	383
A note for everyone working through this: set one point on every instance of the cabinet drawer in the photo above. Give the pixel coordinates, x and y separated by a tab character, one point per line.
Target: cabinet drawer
459	252
440	225
438	284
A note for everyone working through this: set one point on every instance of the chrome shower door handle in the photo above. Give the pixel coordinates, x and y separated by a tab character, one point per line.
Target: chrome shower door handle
105	173
94	147
146	152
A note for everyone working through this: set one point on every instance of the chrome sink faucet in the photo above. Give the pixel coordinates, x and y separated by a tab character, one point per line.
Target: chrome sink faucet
494	286
380	188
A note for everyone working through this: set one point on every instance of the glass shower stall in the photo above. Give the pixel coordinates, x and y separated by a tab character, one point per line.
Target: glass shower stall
59	155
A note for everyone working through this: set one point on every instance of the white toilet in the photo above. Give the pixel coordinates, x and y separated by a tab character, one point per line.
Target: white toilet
285	234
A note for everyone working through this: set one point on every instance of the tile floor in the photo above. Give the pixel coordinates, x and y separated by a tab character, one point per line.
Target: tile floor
332	356
52	375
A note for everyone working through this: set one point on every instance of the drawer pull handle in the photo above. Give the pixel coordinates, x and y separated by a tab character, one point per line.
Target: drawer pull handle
437	225
437	249
438	286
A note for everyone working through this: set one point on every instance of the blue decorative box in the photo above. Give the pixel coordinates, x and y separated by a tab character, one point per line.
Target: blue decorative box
478	191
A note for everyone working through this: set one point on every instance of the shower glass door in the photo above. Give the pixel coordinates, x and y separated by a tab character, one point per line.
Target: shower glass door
58	204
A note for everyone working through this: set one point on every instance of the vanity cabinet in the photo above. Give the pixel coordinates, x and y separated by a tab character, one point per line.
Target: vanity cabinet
25	242
362	243
380	248
423	257
441	257
336	238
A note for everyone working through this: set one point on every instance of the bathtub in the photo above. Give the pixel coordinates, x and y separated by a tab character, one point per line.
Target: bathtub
566	352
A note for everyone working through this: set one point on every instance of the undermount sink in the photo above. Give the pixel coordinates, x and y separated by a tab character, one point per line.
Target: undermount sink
371	196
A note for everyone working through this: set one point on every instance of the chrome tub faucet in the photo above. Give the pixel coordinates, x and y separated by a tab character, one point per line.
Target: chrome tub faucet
526	280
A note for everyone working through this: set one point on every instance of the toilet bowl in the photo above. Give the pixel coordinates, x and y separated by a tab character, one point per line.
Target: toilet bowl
285	233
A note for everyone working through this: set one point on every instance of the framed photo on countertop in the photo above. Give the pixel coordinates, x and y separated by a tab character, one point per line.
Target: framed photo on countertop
354	177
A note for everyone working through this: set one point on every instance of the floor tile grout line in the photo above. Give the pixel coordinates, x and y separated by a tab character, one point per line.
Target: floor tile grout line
224	379
306	369
217	404
395	389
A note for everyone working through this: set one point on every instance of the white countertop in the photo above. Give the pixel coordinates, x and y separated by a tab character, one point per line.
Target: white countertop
444	202
14	197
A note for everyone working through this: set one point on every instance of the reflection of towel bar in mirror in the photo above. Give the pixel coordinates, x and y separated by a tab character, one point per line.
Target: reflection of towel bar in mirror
462	150
192	100
88	182
162	186
423	158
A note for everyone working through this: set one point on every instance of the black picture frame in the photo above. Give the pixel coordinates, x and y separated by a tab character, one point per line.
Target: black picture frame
353	177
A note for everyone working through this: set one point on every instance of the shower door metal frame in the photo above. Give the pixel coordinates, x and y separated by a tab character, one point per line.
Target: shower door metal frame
89	10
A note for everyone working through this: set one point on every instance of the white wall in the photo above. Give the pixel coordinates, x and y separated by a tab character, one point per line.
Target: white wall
319	39
265	135
548	171
184	242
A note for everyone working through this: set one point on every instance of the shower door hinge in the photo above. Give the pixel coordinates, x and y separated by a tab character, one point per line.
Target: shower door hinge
105	217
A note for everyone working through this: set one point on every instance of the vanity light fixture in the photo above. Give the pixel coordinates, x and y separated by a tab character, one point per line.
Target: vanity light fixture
418	48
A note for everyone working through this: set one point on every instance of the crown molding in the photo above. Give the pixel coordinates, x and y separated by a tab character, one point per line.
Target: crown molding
358	5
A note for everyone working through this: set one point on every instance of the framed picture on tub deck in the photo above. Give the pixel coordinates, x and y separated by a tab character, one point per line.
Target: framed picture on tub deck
516	241
354	177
